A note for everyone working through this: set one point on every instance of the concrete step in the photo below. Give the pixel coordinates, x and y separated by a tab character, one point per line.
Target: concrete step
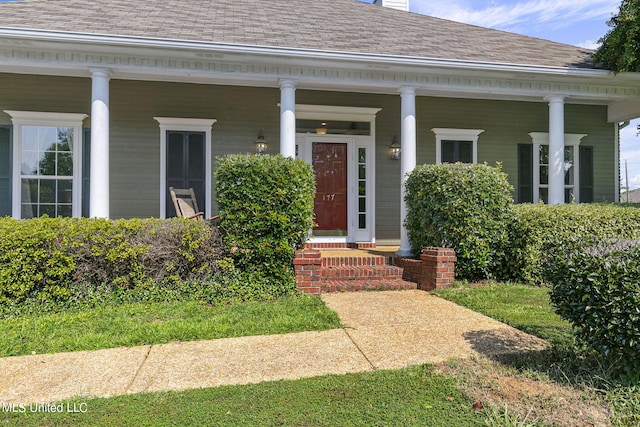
362	285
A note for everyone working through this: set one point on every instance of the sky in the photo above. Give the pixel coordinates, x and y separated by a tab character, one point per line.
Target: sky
575	22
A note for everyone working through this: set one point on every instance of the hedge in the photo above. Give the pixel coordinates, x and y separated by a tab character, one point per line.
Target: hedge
540	235
53	258
266	213
597	289
462	206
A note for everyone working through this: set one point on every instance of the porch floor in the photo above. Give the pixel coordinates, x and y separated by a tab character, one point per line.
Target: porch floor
387	251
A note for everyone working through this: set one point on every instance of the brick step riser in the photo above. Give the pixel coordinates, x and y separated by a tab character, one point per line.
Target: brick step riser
354	273
357	261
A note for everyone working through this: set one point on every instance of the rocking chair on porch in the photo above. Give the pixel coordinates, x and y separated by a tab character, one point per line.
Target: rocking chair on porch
184	200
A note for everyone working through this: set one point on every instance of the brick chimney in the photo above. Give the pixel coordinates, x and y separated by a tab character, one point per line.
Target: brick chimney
394	4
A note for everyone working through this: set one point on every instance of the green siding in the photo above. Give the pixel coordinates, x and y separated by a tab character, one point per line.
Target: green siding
242	111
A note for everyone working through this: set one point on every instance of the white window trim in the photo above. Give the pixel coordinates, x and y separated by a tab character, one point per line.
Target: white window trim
185	125
448	134
36	118
570	140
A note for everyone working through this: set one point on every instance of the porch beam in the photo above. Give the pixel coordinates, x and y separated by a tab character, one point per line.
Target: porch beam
408	158
99	176
288	118
556	149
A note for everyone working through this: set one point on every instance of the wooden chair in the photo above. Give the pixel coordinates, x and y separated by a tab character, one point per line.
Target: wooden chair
184	200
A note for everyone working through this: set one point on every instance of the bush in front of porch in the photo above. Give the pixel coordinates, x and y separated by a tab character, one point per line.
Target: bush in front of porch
462	206
66	261
266	212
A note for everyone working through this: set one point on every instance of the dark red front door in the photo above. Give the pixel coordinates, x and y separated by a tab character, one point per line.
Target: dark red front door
330	166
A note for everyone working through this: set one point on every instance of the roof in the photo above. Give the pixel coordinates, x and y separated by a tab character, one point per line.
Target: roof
634	196
328	25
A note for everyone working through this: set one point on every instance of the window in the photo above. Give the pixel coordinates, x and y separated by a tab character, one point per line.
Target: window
362	187
456	145
533	170
185	160
47	170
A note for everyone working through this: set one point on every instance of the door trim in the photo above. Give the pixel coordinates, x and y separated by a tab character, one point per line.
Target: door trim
185	125
354	234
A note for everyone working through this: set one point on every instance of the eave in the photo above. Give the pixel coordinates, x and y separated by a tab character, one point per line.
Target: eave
137	58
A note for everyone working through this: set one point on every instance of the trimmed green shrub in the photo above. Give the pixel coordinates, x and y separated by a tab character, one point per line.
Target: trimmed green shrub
462	206
540	235
266	213
53	258
597	289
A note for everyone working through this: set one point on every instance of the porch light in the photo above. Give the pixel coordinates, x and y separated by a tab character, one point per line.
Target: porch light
322	130
394	149
261	143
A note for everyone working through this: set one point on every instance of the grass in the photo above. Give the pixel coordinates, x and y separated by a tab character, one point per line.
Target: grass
564	385
567	368
524	307
414	396
153	323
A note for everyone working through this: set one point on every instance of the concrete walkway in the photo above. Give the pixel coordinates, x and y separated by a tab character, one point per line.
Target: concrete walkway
383	330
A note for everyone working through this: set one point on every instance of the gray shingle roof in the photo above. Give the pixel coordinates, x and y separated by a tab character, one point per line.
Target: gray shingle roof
331	25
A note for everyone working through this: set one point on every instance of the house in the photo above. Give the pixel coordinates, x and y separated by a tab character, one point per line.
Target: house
631	196
105	104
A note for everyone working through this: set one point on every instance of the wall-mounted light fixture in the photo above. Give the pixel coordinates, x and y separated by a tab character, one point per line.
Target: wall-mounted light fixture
261	143
394	149
322	130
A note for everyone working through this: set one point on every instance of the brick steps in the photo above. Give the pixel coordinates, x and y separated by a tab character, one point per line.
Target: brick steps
337	271
357	273
363	272
346	261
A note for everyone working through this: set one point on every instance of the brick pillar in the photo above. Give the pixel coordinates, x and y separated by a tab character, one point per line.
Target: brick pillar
307	265
438	266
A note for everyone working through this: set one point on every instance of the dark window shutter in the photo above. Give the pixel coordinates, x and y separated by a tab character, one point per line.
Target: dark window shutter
586	174
86	171
525	173
5	170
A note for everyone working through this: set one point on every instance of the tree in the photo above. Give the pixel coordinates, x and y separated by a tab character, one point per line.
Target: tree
620	47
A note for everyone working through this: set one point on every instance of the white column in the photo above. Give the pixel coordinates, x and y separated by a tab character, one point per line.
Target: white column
408	157
288	118
556	149
99	184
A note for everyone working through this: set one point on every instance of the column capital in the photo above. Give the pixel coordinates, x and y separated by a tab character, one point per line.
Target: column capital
407	90
287	84
552	99
101	72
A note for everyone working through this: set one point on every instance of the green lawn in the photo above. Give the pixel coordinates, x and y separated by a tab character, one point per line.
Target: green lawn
407	397
524	307
412	396
153	323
